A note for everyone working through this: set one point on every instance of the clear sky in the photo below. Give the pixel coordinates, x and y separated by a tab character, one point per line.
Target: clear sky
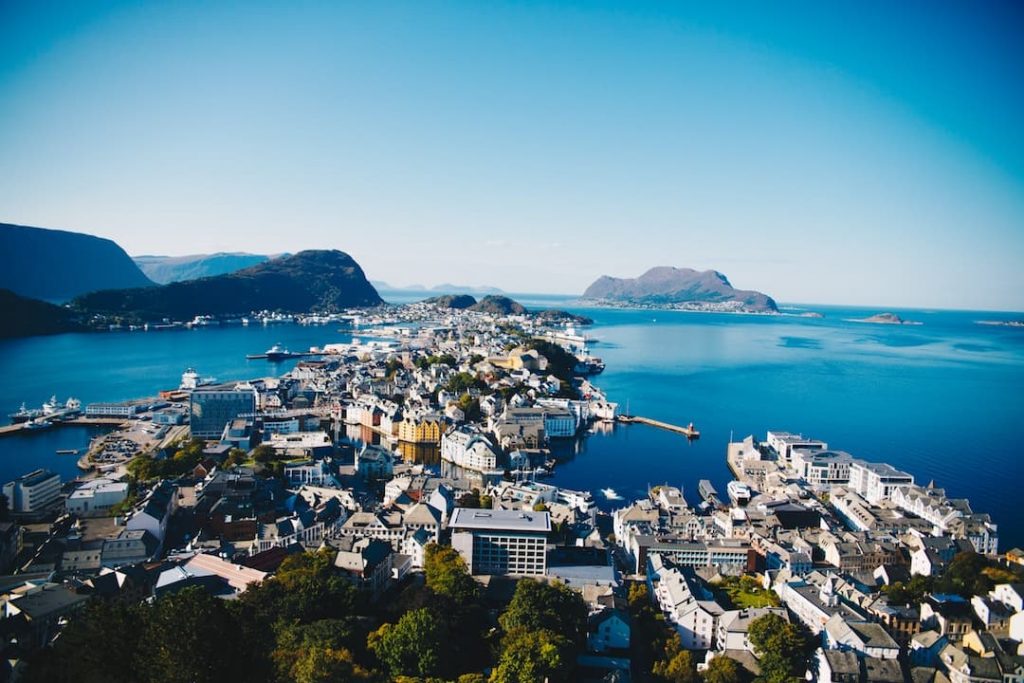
868	153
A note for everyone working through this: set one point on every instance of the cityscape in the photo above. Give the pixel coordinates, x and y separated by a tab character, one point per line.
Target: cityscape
284	466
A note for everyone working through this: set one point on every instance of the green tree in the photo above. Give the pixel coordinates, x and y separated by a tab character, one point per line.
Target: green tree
264	454
413	647
965	576
637	596
533	657
677	665
186	638
721	669
780	648
552	606
448	576
324	665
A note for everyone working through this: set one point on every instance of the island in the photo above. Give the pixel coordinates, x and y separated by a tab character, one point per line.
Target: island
884	319
667	287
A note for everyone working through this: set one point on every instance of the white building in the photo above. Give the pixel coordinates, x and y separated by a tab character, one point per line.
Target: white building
876	481
468	449
96	496
786	443
688	605
32	492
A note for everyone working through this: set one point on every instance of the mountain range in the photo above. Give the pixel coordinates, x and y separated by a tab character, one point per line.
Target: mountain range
57	265
666	285
166	269
315	280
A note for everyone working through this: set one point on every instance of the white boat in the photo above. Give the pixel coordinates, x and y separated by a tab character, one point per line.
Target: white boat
610	494
739	493
51	406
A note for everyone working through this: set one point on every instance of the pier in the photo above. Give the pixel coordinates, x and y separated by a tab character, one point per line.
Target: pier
78	421
689	432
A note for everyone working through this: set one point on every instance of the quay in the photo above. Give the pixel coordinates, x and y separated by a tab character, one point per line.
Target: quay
78	421
282	356
689	432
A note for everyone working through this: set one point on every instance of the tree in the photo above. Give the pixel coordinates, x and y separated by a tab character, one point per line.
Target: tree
186	638
323	665
552	606
721	669
779	646
413	646
264	454
533	657
637	595
678	665
448	576
965	576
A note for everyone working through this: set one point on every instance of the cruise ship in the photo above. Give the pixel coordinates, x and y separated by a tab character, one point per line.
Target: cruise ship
739	493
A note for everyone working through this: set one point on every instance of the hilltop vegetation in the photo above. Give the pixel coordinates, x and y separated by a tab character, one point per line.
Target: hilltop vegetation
25	317
498	305
308	281
666	285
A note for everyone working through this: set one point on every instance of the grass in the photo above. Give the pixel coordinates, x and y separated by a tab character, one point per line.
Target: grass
743	592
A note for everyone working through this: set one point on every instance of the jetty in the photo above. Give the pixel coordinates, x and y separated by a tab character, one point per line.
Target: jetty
688	431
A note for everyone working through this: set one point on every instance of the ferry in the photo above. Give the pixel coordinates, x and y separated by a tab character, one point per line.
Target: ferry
610	494
190	379
739	492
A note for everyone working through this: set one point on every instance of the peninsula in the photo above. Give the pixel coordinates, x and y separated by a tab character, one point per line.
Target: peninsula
679	288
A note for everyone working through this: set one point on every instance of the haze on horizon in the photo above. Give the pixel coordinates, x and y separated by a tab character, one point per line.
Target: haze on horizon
851	154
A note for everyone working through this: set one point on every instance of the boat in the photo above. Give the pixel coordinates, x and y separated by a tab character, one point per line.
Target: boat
190	379
738	492
708	493
610	494
38	424
51	406
25	414
67	451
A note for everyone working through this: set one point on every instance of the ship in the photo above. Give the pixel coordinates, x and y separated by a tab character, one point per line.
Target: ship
277	353
25	414
739	492
190	379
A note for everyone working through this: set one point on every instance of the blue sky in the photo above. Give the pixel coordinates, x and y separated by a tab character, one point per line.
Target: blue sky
867	153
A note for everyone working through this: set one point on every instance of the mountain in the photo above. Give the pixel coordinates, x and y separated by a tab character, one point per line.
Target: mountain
166	269
457	301
57	265
498	305
307	281
666	285
25	317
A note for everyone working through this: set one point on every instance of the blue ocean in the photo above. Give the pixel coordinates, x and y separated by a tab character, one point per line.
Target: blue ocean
942	400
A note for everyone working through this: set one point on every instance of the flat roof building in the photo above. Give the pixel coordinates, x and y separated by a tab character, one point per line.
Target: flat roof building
501	541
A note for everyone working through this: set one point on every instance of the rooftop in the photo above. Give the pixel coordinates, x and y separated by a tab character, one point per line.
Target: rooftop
504	520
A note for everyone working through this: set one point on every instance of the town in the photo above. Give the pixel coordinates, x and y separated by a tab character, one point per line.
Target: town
380	512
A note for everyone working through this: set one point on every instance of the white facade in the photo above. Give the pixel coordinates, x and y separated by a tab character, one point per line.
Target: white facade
876	482
96	496
469	450
33	491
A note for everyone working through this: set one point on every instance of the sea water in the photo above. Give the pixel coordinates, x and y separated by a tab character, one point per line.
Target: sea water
943	400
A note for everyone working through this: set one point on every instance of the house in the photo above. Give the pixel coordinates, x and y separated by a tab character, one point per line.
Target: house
687	602
733	626
861	637
375	463
218	576
950	615
156	510
96	497
608	629
366	563
39	609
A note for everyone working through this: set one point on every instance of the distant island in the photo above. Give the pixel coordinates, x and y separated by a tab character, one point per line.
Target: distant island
455	301
884	319
164	270
1001	323
316	280
57	265
681	289
498	305
445	288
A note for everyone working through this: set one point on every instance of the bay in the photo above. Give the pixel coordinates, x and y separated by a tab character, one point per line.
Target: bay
943	400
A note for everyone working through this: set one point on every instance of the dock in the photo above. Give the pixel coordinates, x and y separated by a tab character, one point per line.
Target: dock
282	356
78	421
689	432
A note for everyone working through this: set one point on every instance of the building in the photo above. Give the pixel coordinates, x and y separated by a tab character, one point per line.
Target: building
375	462
785	444
125	410
823	469
468	449
96	497
876	481
501	541
32	492
212	408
